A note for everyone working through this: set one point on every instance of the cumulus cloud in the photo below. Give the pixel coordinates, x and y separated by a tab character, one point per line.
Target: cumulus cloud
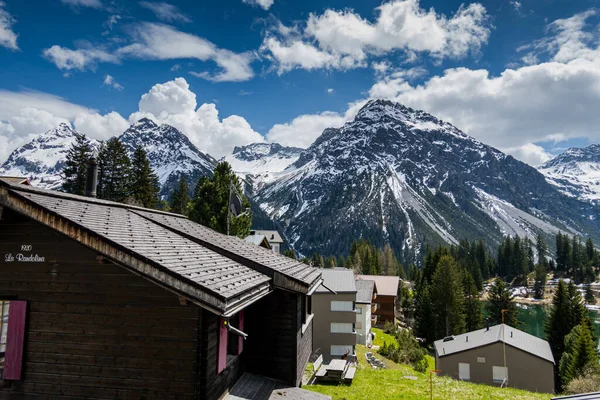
344	39
154	41
264	4
8	38
530	153
304	129
83	3
175	104
165	11
111	82
27	113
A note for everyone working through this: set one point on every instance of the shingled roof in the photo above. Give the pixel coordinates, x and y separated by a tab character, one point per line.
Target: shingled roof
340	280
364	291
130	236
497	333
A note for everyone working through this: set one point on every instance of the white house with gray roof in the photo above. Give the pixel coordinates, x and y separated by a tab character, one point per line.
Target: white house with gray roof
499	355
366	291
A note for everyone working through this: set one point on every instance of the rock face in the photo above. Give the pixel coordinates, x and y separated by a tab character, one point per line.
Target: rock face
404	176
170	152
261	163
576	172
42	159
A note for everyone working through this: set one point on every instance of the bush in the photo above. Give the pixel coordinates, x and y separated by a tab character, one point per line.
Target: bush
587	382
406	350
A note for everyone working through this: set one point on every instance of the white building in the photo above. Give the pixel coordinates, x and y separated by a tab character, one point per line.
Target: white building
366	291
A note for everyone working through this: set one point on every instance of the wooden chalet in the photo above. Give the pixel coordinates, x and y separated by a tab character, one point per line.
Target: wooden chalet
104	300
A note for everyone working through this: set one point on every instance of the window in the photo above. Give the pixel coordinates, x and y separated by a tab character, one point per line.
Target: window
306	305
342	327
359	325
341	350
359	310
464	371
4	307
230	345
342	306
500	374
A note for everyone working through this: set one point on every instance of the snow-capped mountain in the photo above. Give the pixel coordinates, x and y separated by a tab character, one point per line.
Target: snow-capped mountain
401	175
576	172
42	159
261	163
170	152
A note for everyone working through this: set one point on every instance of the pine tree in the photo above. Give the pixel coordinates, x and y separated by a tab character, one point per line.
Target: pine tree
500	299
114	181
567	312
144	183
472	304
424	316
290	253
447	298
75	171
580	353
540	281
589	295
180	198
210	205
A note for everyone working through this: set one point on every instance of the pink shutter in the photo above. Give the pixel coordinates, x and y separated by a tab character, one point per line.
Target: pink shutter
241	328
15	339
222	353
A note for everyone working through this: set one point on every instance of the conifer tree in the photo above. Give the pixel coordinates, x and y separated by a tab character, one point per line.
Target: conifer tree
180	198
424	316
589	295
144	182
567	312
114	180
75	171
580	353
472	304
447	298
500	299
540	281
210	205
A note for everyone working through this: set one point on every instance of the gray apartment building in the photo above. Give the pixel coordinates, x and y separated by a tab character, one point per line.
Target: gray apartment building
334	308
501	356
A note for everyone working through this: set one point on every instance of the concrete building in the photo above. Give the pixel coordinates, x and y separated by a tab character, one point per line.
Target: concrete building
366	293
501	356
387	294
334	309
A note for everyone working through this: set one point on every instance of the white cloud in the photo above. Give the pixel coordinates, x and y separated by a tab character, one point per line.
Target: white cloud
516	5
344	39
530	153
330	90
264	4
175	67
27	113
80	59
153	41
165	11
110	81
83	3
173	103
304	129
8	38
162	42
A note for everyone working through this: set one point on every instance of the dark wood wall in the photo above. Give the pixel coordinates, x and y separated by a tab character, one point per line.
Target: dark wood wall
212	386
270	349
304	341
95	329
386	308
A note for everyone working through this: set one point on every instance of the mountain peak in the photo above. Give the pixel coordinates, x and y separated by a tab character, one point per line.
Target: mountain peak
143	124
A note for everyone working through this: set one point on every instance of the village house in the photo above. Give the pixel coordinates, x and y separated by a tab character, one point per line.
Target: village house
109	301
334	324
387	295
366	293
273	237
500	355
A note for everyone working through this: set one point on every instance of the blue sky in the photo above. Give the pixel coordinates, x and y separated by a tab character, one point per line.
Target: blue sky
523	76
